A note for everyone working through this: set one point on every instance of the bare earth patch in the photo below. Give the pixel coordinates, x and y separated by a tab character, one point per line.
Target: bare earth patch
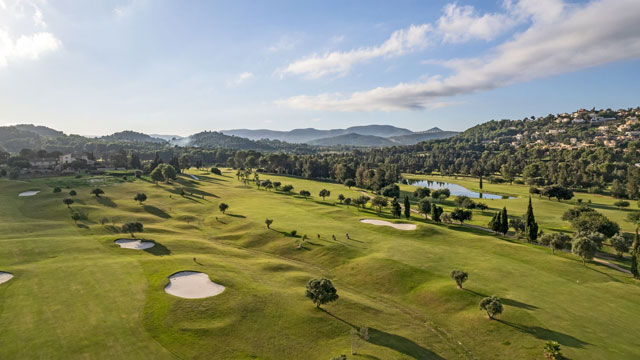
386	223
29	193
135	244
5	276
192	285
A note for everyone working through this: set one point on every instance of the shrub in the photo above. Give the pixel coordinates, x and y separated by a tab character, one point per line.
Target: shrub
216	171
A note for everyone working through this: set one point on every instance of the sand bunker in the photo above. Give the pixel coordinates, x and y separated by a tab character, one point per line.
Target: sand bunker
194	177
135	244
192	285
5	276
386	223
29	193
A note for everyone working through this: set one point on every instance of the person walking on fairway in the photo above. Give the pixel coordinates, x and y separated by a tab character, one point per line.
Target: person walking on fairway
348	238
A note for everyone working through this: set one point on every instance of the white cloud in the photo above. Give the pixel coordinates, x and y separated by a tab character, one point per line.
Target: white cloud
338	62
462	23
588	35
240	78
16	47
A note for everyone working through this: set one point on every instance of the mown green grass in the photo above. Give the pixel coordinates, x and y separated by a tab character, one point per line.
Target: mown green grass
77	295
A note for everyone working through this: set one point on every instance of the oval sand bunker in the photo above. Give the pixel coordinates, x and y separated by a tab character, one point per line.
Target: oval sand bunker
5	276
386	223
134	244
29	193
192	285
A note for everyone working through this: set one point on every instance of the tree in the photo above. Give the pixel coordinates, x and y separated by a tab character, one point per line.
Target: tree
347	201
156	174
496	223
424	207
391	191
552	350
305	193
530	224
321	291
97	192
215	171
558	192
585	219
504	221
349	183
77	216
287	188
620	244
421	192
324	193
621	204
461	215
480	182
584	247
268	222
361	201
518	226
436	212
407	207
459	277
492	305
68	202
559	241
223	207
379	202
56	190
169	172
634	218
132	227
140	197
73	193
276	185
396	209
341	198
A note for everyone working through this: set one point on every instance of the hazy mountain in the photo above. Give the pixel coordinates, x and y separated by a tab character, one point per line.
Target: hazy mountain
431	134
353	140
310	134
166	137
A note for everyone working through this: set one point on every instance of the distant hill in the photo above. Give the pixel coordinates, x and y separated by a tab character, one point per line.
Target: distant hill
353	140
132	136
431	134
40	130
310	134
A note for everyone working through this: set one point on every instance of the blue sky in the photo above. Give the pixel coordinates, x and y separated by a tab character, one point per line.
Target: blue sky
180	67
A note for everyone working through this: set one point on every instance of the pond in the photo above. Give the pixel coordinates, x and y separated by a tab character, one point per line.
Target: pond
456	189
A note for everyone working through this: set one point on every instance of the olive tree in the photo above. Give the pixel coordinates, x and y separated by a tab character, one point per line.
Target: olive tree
584	247
459	277
132	227
140	197
321	291
68	202
492	305
97	192
223	207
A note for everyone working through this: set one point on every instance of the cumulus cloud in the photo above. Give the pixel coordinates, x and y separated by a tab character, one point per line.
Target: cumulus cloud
19	46
338	62
588	35
462	23
240	78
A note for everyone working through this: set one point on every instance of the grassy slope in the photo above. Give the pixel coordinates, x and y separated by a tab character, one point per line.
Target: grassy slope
392	281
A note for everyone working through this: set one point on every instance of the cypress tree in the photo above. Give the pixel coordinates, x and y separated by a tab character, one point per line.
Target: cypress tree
495	224
635	254
407	207
480	182
504	222
530	225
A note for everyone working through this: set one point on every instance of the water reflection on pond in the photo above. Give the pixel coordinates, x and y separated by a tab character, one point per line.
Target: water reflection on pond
455	189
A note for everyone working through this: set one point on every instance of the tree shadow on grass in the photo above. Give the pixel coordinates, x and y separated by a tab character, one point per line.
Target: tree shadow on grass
547	334
82	226
401	345
236	216
505	301
106	202
158	250
156	211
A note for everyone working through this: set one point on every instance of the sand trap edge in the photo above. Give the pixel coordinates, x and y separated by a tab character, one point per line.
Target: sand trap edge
5	276
402	226
214	290
143	244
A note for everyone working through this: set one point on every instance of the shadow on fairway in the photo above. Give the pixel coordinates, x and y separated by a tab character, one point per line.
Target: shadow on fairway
106	202
237	216
509	302
546	334
401	345
158	250
156	211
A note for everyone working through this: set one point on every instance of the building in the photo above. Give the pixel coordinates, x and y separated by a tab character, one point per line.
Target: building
69	158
